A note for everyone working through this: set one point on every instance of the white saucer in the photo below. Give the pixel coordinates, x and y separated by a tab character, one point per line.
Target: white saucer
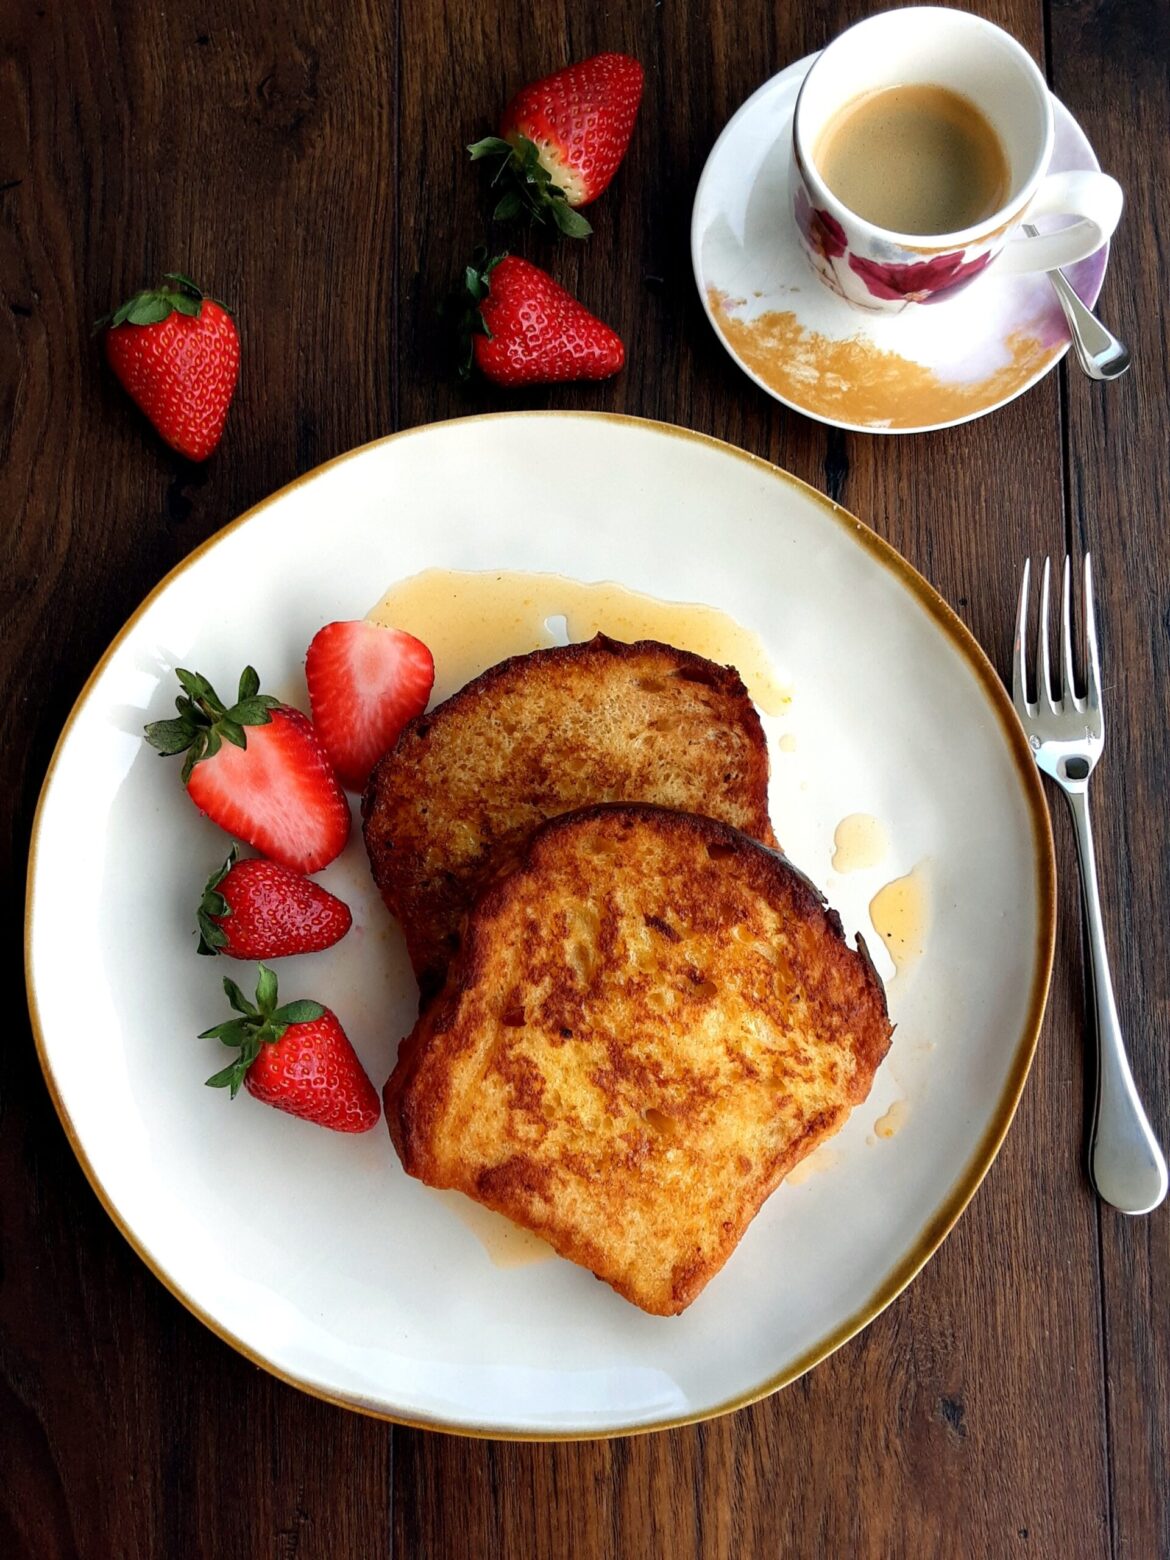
932	367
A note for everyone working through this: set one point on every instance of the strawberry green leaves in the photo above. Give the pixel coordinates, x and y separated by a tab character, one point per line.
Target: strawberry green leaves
259	1023
212	936
461	309
204	723
529	189
154	304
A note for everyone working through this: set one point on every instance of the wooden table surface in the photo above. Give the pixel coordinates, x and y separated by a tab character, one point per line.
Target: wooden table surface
307	161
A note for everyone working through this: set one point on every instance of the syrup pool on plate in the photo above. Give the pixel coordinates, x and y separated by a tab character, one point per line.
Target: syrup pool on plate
859	841
821	1159
900	913
507	1245
471	619
894	1119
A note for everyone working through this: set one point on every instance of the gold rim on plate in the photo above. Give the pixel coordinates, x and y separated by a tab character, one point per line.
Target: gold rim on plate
934	1233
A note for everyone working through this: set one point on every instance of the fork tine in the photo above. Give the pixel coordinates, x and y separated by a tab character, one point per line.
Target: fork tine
1093	674
1044	667
1020	646
1066	639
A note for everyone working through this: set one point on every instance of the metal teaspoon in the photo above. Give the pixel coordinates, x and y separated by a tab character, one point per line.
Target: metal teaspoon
1098	350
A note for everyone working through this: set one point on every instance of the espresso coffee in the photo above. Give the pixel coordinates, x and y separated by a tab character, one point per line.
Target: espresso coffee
915	159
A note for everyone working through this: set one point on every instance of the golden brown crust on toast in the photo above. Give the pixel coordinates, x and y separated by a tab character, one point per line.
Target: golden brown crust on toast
539	735
651	1020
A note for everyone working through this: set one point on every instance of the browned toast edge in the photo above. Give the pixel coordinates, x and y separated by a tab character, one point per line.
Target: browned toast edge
408	1116
695	668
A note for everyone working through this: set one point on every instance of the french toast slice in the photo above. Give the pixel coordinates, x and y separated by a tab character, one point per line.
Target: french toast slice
651	1020
542	734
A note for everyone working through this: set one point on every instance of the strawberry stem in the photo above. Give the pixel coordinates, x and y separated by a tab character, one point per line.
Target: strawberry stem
462	308
154	304
529	188
260	1023
213	908
203	723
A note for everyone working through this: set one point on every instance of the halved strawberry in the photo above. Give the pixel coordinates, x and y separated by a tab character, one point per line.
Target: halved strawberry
365	683
296	1057
258	770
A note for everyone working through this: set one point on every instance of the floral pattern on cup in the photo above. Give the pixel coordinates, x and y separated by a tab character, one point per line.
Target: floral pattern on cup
893	277
822	232
822	238
924	281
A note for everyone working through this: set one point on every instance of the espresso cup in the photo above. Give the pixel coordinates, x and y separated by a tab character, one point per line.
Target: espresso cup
877	268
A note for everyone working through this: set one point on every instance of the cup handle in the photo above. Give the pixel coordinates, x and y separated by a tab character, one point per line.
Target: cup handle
1093	197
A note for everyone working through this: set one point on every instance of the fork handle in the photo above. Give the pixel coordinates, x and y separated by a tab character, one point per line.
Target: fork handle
1126	1165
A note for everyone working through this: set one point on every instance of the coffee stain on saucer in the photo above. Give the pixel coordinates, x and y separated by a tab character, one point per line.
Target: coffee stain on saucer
854	381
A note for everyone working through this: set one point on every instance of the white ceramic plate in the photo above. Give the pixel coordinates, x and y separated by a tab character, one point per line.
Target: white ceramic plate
312	1253
931	366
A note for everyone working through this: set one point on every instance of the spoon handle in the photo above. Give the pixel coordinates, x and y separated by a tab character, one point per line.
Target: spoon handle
1089	335
1099	352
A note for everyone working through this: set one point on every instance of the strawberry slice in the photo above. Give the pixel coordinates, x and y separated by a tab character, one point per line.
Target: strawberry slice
296	1057
365	683
258	770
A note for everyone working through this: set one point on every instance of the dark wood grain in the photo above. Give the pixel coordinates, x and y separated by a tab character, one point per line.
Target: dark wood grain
307	161
1119	494
135	139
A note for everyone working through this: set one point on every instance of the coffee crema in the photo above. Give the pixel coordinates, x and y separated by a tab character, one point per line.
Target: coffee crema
915	159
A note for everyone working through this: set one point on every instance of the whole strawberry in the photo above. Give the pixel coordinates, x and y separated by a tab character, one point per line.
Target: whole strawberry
258	770
177	355
296	1057
525	329
257	909
562	138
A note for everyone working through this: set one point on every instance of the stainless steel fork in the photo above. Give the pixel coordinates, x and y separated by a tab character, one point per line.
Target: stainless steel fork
1067	733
